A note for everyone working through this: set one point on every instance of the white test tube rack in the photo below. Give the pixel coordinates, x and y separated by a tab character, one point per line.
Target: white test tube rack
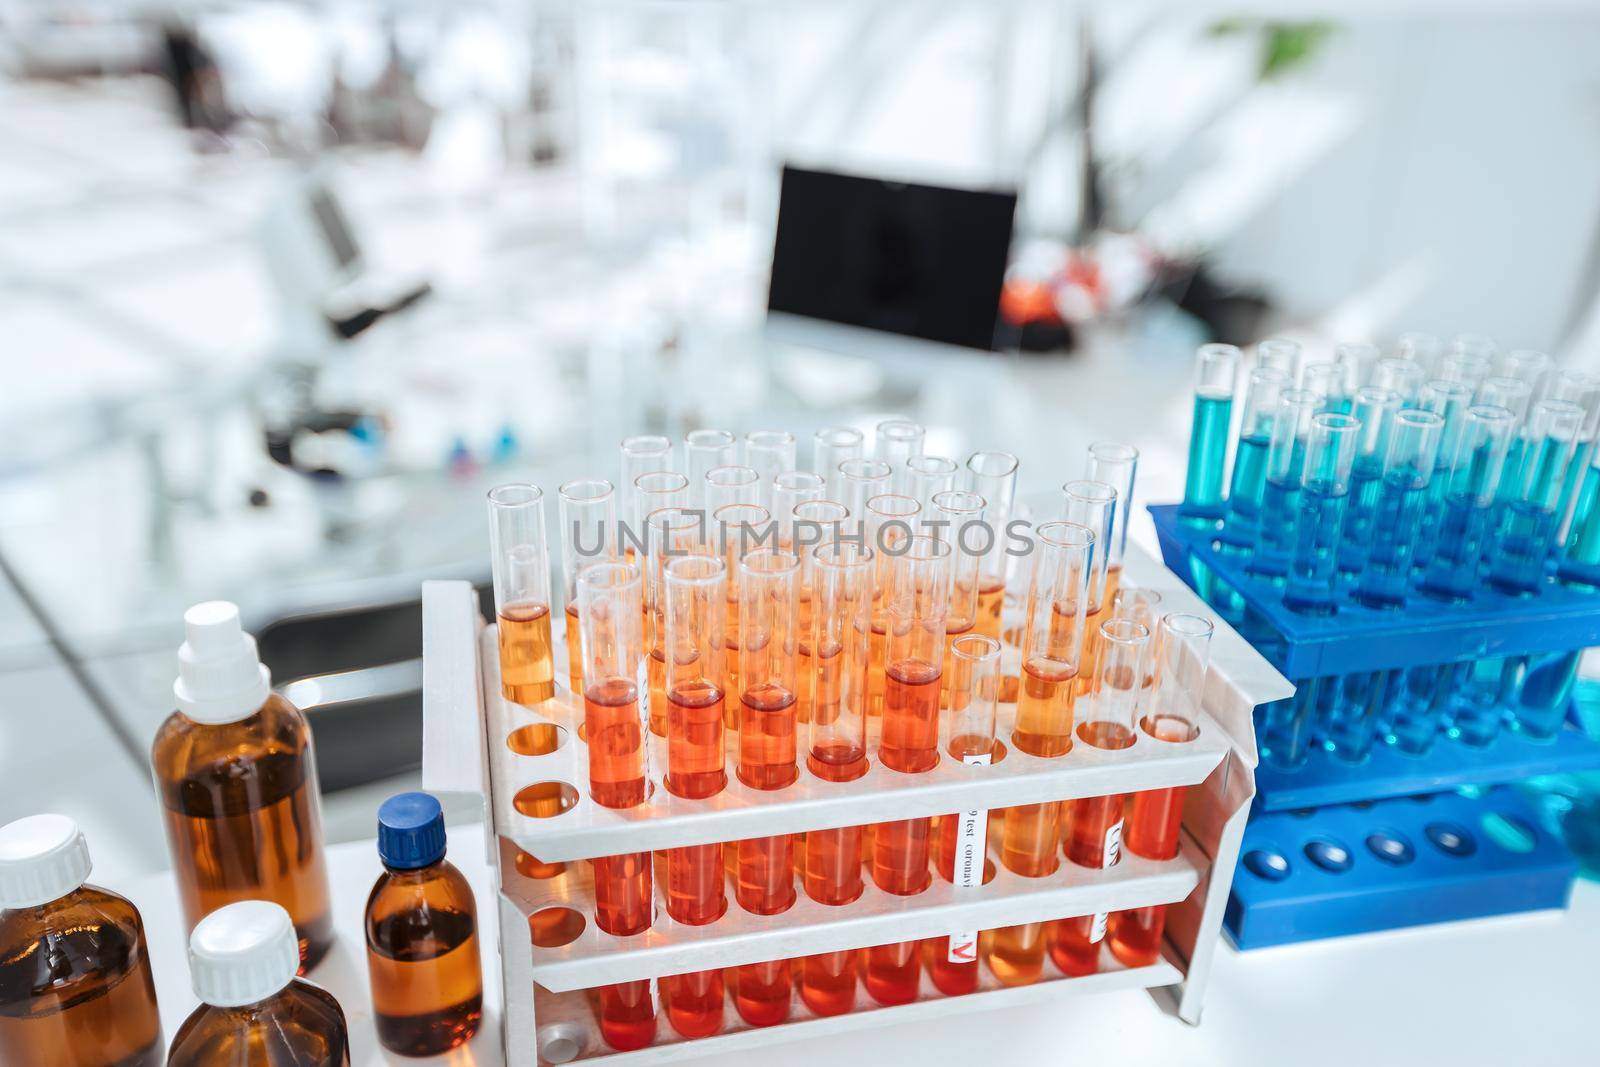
547	1016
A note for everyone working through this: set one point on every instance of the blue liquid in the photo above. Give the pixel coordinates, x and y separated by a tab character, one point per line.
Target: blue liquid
1387	575
1547	684
1452	572
1275	543
1581	563
1360	700
1208	455
1366	480
1431	519
1244	495
1287	725
1419	705
1519	559
1482	689
1313	562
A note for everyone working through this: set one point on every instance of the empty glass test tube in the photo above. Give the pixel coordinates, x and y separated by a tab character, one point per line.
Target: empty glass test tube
725	486
831	446
704	451
993	476
1281	353
588	516
956	517
860	480
1095	505
1114	465
1404	376
789	490
640	455
769	453
928	476
894	442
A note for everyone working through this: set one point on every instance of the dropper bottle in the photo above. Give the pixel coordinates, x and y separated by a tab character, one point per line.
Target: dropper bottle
238	784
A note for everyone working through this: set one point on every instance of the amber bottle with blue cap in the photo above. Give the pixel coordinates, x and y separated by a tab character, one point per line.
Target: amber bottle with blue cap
422	935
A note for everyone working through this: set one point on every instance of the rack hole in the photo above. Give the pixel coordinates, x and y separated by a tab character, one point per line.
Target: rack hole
1391	846
536	739
554	927
1329	854
545	800
560	1043
1451	838
531	866
1271	866
1509	832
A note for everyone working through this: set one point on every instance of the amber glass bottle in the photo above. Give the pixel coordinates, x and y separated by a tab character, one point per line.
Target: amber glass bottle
422	935
254	1012
75	985
238	785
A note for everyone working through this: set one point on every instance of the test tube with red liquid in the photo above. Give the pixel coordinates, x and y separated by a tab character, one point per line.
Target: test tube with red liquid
519	557
836	748
588	516
972	667
613	671
1182	658
693	611
915	599
768	653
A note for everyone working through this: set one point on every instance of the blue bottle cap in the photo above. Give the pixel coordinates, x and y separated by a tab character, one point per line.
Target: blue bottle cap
410	831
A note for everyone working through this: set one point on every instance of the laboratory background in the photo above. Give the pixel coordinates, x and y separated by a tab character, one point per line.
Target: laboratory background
678	531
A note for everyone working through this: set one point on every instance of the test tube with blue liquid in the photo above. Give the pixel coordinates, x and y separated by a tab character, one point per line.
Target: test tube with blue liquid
1404	376
1405	493
1468	368
1359	700
1582	389
1529	525
1281	354
1358	356
1334	381
1421	348
1506	391
1261	395
1375	408
1448	399
1580	559
1527	365
1451	574
1319	519
1280	495
1216	370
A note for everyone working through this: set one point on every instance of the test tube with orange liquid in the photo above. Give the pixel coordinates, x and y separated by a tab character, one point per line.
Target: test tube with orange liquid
1052	650
956	516
669	533
972	665
738	529
810	523
588	516
613	671
1094	833
916	599
993	476
521	565
890	520
836	749
1115	465
693	612
1182	658
768	653
1095	505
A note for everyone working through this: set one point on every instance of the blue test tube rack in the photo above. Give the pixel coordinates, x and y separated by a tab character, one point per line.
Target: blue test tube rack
1360	868
1334	797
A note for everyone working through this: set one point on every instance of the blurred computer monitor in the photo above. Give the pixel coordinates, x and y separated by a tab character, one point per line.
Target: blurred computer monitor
918	261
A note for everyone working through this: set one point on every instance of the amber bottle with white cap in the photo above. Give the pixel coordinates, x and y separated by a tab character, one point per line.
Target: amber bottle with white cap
238	784
253	1011
75	985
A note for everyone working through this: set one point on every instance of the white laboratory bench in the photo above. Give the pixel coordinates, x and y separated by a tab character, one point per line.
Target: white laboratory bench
1493	991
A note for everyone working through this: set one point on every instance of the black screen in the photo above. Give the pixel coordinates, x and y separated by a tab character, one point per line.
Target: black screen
918	260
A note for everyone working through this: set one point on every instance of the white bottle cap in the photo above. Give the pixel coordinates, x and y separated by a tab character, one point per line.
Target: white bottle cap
243	953
42	858
220	676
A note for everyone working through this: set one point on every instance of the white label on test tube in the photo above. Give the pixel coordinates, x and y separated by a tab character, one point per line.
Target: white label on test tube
972	831
1097	932
1113	846
643	682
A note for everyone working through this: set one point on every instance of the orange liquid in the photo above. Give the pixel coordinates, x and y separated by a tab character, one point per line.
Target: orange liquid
527	670
893	972
693	1002
765	883
1091	645
876	644
574	650
828	982
616	744
833	865
626	1014
1070	948
1028	842
951	979
695	748
696	890
1016	954
910	739
622	893
1135	936
761	992
991	600
767	738
837	761
1152	830
1044	710
656	676
900	857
